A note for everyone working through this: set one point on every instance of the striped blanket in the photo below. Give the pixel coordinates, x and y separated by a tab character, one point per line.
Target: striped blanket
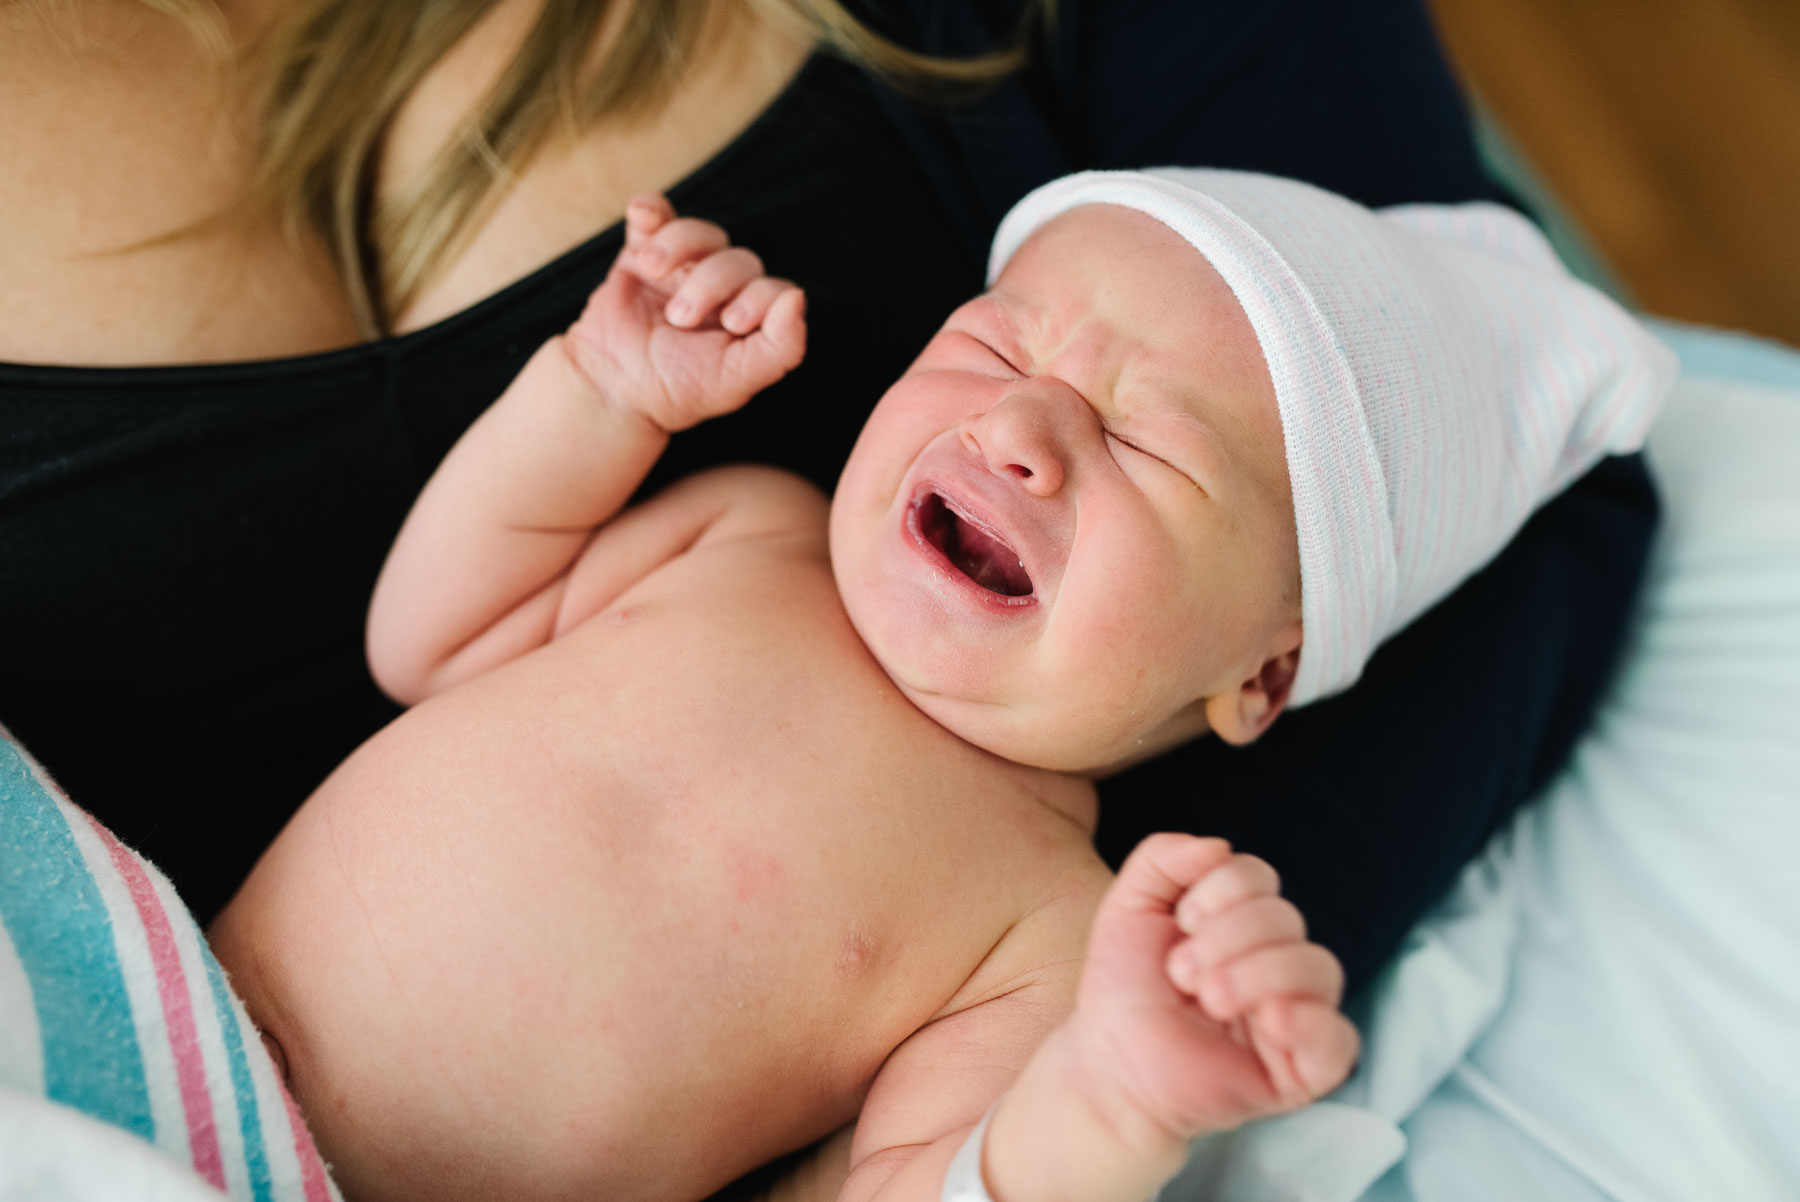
113	1009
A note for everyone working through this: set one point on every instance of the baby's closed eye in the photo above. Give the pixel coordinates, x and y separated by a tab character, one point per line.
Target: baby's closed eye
984	357
1133	446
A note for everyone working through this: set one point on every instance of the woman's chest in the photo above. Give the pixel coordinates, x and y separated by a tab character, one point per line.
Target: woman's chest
118	134
581	176
129	142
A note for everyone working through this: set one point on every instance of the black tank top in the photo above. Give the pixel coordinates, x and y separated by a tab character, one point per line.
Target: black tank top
188	551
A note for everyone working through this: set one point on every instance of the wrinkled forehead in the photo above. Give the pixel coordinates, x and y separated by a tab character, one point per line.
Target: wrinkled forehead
1127	270
1167	311
1106	247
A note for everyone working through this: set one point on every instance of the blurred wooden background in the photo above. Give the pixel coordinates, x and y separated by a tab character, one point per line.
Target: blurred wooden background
1668	131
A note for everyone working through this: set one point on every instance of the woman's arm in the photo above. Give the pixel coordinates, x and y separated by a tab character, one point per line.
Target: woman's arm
685	327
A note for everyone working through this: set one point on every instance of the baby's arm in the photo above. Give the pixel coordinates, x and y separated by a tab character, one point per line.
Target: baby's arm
1201	1006
685	327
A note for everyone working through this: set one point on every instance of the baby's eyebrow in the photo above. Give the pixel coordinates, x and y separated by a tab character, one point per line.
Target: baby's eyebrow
1173	411
1007	317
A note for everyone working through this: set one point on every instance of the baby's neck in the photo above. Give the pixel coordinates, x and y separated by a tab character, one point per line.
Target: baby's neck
1065	794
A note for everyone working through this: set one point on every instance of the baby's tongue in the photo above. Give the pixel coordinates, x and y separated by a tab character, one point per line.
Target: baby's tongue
988	561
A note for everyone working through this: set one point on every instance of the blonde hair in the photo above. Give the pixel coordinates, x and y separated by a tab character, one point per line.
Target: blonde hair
329	78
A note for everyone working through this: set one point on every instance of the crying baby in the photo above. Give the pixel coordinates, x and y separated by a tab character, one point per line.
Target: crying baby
731	820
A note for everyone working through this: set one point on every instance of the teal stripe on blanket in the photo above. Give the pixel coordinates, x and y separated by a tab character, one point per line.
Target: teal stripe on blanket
91	1056
256	1157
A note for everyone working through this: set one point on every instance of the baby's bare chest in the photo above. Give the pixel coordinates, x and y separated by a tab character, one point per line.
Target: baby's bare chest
745	868
761	796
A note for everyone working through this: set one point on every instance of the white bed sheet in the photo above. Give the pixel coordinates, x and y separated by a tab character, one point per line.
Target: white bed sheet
1608	1005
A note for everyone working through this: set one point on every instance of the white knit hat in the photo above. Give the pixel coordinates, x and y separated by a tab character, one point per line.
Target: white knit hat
1439	376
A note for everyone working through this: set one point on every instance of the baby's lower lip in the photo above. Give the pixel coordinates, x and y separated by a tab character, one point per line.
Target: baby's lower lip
968	552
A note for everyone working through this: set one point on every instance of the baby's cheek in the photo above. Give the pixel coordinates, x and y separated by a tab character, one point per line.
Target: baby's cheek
1128	677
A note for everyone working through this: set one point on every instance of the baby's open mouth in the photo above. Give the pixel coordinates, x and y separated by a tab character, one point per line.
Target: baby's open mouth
977	553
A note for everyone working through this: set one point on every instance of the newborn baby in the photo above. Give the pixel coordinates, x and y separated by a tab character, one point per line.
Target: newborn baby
690	854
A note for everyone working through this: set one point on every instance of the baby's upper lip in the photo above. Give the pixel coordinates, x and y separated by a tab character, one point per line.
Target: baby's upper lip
1034	527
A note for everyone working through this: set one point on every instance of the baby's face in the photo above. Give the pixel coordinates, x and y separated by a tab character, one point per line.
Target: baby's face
1069	526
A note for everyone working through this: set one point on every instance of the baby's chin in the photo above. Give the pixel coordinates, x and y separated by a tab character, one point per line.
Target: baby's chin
1052	738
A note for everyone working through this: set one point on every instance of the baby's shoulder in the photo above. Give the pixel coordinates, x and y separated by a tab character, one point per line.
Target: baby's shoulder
755	501
1059	879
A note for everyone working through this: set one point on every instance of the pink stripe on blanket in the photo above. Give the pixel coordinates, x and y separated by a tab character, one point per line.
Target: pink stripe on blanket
171	984
312	1169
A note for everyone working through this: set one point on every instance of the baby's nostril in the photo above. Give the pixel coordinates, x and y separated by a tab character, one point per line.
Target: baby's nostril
1019	470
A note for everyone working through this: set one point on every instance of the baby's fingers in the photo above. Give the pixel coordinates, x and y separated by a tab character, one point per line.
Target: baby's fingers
1160	869
750	307
784	325
758	359
712	281
1300	970
646	214
1307	1048
1260	922
664	255
1231	883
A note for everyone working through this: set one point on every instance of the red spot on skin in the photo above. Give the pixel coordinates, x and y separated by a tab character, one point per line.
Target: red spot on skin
756	876
856	952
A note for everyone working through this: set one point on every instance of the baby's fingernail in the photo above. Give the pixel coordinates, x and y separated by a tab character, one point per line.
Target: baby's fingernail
680	311
732	318
1184	971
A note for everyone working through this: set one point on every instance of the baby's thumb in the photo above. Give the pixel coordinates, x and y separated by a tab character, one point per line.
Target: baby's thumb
775	348
1308	1048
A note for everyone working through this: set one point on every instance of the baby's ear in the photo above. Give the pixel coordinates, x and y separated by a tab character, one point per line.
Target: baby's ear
1240	715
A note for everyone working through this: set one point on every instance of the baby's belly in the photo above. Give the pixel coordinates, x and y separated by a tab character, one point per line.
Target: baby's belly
676	884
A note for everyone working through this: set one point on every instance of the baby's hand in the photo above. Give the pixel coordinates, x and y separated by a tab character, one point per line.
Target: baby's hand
686	326
1201	999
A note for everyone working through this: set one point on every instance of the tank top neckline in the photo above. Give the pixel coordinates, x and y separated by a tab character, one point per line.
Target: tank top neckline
578	259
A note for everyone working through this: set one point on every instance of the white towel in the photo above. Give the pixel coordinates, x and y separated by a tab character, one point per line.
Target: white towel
1439	376
129	1071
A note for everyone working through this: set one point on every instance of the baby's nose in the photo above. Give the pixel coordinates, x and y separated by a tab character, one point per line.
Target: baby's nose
1028	435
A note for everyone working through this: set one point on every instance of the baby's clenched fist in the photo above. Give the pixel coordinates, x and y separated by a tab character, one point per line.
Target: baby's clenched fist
1204	1000
685	326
